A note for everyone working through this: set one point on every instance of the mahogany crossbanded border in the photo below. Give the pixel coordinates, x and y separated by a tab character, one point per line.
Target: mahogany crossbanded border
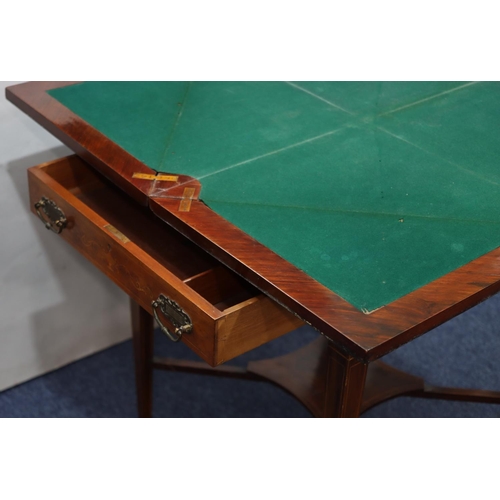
363	336
92	146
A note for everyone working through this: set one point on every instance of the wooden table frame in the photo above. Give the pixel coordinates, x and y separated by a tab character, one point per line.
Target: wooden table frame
352	339
326	381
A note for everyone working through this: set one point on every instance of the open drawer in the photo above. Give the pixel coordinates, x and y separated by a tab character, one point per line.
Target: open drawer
218	313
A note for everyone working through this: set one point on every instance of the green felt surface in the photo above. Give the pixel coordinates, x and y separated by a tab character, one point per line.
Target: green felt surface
374	189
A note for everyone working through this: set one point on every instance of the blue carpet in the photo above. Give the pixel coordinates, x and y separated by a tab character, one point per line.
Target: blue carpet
463	352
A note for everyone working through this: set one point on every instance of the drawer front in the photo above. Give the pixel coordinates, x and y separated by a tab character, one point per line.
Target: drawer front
128	266
217	335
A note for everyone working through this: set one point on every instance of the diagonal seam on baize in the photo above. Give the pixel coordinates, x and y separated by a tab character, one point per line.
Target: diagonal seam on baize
360	119
330	103
353	212
171	132
456	165
271	153
449	91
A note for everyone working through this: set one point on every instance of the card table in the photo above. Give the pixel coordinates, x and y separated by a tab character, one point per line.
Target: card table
235	212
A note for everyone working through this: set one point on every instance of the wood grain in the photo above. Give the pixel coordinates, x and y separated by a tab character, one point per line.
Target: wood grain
150	258
251	324
366	337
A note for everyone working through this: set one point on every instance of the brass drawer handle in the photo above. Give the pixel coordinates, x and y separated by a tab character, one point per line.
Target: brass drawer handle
54	218
174	313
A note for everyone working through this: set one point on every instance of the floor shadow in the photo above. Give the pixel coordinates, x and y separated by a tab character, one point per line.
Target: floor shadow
80	310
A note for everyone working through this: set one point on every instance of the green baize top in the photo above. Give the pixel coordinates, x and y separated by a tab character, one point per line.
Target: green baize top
374	189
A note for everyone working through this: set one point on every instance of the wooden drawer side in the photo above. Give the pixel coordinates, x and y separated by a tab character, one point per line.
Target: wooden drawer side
251	324
133	270
146	257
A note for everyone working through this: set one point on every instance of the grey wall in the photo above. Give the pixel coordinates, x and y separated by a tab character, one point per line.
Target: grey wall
55	307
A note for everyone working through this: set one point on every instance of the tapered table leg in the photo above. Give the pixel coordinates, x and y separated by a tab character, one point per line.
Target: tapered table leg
143	341
326	381
345	384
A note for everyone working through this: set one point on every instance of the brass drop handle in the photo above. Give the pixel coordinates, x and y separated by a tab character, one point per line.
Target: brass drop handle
54	218
174	313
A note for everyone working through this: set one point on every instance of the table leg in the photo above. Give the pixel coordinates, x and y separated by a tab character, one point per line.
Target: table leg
143	341
345	383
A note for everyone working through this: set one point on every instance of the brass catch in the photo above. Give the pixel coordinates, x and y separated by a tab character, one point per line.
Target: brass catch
54	218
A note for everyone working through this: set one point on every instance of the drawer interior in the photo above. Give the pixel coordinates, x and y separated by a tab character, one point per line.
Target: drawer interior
201	272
